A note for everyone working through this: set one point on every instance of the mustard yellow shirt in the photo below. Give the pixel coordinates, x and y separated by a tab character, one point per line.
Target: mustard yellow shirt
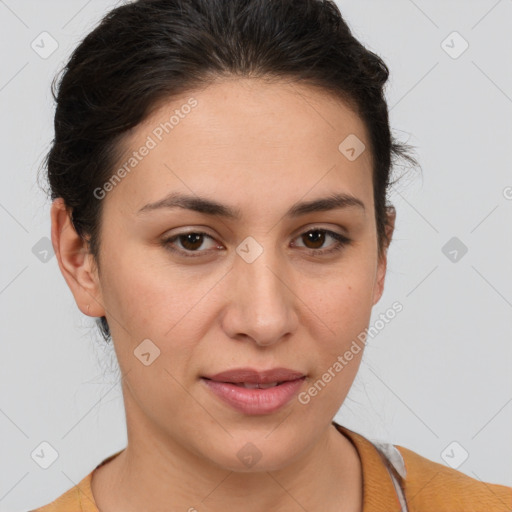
426	485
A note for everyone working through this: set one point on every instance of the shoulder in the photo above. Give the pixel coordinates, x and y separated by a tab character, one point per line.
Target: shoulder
429	486
79	498
75	499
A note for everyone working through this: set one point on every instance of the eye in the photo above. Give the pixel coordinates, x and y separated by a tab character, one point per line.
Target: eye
317	237
192	241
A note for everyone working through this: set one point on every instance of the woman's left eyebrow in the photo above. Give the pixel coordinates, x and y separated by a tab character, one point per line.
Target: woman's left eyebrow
211	207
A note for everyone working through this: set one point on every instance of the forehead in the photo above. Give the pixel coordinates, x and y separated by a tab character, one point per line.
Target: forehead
241	135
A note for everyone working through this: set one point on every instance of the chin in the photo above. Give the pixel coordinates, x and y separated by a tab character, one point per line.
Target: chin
255	456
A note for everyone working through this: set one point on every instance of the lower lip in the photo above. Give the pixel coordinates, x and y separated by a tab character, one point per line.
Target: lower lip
255	401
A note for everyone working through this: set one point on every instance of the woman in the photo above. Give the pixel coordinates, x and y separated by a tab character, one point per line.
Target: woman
219	176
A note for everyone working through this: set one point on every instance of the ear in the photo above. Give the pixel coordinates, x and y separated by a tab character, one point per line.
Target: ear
75	261
382	263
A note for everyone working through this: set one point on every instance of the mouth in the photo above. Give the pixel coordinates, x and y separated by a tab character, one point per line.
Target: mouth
254	385
249	376
252	392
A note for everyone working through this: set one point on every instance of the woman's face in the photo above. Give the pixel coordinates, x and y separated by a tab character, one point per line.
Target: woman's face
264	288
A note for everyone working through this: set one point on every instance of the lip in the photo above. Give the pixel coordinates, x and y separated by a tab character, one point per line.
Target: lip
253	376
255	401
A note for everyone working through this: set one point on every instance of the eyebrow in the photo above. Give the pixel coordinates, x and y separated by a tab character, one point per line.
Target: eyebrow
214	208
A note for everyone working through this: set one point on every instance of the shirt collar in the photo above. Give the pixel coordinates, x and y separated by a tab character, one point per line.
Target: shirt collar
379	493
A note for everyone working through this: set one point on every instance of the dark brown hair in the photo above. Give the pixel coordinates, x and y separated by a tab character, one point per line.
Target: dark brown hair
148	51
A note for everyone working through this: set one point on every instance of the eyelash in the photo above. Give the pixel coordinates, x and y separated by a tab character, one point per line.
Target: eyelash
341	242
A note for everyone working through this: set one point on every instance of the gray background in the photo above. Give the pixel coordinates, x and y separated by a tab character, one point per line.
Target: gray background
438	373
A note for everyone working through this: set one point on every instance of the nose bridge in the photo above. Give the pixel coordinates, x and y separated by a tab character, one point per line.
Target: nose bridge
263	303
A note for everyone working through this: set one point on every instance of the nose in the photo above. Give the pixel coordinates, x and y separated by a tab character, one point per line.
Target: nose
262	304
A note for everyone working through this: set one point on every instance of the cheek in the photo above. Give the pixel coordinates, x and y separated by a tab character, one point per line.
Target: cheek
343	305
151	299
343	300
138	286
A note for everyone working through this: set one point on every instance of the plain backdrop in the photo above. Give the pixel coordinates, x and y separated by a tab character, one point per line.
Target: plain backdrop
436	379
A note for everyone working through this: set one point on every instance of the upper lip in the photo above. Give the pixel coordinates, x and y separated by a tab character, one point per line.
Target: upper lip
252	376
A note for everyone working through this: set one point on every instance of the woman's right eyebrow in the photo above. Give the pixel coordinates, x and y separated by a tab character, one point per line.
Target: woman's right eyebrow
214	208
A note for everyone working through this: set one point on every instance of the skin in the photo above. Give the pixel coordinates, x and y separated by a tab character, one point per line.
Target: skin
259	147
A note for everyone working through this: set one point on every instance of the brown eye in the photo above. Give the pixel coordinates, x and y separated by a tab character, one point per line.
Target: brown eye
314	239
191	241
188	244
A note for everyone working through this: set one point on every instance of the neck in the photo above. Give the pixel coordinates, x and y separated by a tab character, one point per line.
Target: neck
157	473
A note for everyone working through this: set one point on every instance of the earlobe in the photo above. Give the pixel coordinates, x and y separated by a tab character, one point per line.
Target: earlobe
75	261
